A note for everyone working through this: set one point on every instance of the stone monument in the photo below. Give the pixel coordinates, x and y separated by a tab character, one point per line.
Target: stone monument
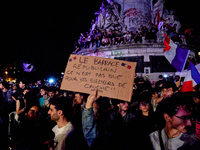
129	15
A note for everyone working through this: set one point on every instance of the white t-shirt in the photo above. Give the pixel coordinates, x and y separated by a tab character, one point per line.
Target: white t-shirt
61	135
105	40
127	35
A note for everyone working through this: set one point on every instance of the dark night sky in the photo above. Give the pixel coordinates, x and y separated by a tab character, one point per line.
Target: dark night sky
43	33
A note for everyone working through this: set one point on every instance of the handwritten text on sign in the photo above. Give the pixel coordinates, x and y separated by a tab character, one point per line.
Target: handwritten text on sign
113	78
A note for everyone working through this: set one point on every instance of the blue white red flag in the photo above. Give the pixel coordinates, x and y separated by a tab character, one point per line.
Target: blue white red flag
192	78
176	56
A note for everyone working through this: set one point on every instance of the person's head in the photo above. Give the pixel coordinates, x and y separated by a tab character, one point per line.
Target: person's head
144	101
144	106
30	97
123	105
177	77
22	84
43	90
196	97
70	94
79	98
4	85
177	112
14	87
60	107
51	92
32	111
160	77
168	89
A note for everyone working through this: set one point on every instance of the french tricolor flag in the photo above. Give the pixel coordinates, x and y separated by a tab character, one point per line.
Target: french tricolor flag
174	54
192	78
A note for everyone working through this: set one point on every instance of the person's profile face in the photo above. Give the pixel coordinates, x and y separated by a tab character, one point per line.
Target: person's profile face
182	120
20	84
54	113
42	92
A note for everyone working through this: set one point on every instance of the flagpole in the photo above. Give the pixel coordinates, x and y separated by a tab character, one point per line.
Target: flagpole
185	60
183	67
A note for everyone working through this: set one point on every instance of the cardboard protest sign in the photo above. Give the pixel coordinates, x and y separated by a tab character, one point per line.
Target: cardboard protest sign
113	78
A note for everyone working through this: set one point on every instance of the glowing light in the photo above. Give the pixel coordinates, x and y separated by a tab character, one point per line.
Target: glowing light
165	75
51	80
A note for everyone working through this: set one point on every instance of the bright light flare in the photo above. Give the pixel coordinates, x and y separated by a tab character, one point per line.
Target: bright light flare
51	80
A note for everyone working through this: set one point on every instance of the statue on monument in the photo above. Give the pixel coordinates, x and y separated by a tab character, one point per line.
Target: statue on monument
158	6
109	16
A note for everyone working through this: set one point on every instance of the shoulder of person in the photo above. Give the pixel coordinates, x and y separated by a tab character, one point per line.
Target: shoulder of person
189	137
131	115
154	139
76	141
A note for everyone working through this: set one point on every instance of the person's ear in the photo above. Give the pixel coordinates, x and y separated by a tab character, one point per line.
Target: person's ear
60	112
166	117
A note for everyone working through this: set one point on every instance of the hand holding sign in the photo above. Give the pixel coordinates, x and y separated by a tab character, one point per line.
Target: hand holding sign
113	78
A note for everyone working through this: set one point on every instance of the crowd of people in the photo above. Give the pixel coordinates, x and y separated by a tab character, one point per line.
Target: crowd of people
96	38
159	116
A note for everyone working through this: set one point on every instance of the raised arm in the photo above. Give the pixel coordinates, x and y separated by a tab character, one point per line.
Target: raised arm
88	124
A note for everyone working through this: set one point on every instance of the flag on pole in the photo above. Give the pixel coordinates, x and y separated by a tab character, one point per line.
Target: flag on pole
158	18
176	56
192	78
